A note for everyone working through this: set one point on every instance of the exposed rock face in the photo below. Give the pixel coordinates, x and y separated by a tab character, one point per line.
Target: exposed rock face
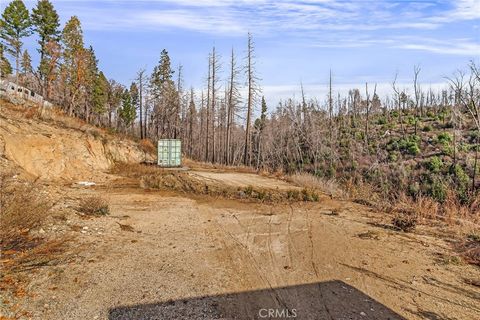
50	150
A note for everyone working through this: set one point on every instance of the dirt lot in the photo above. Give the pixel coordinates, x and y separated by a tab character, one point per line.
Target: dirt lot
197	257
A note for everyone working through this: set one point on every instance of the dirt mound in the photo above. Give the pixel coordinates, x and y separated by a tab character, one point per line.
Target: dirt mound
230	185
52	146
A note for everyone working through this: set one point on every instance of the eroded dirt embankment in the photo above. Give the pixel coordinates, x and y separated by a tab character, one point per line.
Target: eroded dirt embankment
52	147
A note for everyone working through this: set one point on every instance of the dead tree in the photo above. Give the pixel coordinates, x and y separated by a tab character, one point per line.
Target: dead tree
416	72
232	103
251	96
207	120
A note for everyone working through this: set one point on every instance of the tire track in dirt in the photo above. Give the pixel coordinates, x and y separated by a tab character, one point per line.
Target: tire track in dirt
255	268
312	260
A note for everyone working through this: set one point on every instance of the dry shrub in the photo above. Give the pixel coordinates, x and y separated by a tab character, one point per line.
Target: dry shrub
454	212
31	112
94	206
405	220
136	170
470	249
423	207
216	166
309	181
22	209
147	146
363	193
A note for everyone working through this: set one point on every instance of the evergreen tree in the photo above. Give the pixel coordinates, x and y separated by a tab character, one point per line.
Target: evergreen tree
26	64
127	112
15	24
5	66
100	94
91	74
73	62
46	24
26	69
165	97
135	95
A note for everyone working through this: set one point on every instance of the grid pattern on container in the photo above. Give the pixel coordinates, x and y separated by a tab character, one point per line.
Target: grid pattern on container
169	152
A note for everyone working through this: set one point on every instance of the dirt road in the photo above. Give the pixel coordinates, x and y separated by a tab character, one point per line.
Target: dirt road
207	258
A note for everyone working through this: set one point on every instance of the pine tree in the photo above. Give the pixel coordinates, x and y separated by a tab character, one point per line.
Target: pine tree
52	67
91	74
26	68
26	64
127	112
134	94
46	24
15	24
165	97
73	62
5	66
100	94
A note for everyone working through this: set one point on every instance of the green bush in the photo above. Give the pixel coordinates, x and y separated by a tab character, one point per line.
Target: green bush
359	135
444	138
413	149
448	150
435	164
411	120
438	190
393	156
408	144
462	181
382	120
413	189
427	128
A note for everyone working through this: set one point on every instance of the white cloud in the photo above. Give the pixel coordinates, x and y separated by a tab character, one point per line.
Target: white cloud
313	23
463	49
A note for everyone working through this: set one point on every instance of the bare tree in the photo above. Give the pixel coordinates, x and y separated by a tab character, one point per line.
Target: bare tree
416	87
251	97
368	108
232	105
140	79
214	88
207	120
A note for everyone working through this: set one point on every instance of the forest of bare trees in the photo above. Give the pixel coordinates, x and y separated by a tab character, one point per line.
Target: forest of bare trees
420	144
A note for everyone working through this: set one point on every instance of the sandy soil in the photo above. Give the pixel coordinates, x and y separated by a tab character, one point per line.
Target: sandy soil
234	179
205	258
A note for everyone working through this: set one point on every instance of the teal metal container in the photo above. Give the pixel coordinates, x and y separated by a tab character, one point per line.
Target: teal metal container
169	153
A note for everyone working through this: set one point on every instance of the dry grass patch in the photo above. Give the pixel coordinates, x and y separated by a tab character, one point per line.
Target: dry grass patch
312	182
147	146
469	249
94	206
216	166
405	220
23	210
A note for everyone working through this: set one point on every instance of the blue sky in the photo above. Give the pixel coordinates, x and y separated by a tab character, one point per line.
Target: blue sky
296	41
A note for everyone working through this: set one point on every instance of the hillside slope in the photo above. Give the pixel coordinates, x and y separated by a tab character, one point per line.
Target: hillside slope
51	146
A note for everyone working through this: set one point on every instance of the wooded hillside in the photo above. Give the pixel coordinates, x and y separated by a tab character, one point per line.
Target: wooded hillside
401	146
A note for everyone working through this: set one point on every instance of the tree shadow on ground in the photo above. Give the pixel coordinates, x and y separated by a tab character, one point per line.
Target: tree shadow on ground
323	300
